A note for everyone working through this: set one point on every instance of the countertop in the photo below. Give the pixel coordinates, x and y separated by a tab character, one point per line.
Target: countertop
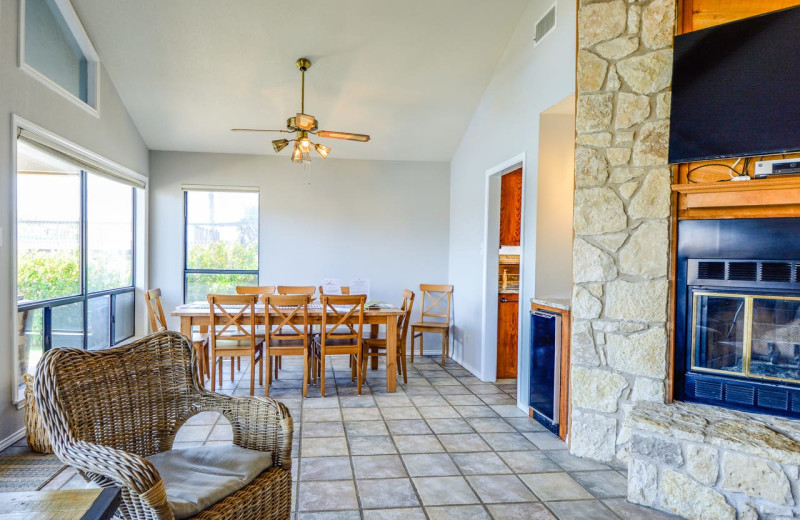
558	303
508	290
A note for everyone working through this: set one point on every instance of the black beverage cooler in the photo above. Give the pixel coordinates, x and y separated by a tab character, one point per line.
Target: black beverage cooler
545	368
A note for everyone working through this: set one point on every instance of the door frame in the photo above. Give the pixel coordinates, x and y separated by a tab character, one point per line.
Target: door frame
491	237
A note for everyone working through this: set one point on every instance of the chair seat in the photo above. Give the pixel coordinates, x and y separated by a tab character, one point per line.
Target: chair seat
286	344
233	343
424	325
337	342
196	478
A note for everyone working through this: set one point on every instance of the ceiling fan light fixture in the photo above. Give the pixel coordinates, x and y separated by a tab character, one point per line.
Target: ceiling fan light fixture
297	153
322	150
279	144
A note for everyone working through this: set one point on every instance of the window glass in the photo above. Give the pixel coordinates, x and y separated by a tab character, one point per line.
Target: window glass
221	242
52	50
123	316
67	325
98	326
221	230
48	227
109	234
30	343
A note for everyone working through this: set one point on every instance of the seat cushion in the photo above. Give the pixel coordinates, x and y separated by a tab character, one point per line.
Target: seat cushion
196	478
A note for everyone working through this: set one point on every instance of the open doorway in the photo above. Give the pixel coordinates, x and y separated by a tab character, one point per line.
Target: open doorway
504	237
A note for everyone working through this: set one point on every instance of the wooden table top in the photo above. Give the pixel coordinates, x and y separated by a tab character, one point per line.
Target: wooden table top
201	309
72	504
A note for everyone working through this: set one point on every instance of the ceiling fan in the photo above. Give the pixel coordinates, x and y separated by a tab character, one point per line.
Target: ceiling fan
304	125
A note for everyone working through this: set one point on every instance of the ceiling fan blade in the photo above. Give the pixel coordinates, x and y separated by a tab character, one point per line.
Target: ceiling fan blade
258	130
343	135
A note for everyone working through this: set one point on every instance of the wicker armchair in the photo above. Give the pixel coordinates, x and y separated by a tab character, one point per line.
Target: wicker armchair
106	411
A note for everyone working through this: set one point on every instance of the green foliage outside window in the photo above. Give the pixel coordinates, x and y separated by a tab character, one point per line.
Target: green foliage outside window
220	255
46	275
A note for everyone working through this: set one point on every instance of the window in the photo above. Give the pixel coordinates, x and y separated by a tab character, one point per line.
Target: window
55	47
221	242
75	251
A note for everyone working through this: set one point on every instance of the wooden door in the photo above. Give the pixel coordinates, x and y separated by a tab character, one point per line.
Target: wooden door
510	207
507	321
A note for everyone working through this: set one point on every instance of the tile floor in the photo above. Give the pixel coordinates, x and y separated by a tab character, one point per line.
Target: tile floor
444	446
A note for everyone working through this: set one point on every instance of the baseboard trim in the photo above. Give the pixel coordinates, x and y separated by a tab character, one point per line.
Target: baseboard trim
11	439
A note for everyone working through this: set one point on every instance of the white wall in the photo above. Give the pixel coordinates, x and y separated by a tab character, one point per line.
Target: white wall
555	200
383	220
112	135
526	82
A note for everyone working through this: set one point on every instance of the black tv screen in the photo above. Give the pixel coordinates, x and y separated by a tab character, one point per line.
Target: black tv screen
736	89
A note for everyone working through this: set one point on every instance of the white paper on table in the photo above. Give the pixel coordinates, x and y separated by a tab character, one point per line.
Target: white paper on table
331	286
359	286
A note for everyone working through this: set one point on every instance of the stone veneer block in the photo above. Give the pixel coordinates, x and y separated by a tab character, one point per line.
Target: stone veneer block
642	482
591	72
618	48
594	113
648	73
653	199
688	498
637	301
582	350
755	478
597	211
658	20
591	167
601	21
596	389
647	251
640	353
702	463
652	146
584	305
593	435
592	264
661	450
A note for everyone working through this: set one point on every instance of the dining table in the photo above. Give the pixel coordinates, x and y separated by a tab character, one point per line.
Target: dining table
197	314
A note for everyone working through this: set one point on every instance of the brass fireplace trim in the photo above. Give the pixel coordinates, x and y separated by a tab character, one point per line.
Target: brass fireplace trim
747	340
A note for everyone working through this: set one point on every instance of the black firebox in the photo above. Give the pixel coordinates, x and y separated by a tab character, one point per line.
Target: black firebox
737	326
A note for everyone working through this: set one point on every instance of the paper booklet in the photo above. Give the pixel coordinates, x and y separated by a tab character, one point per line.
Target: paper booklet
331	286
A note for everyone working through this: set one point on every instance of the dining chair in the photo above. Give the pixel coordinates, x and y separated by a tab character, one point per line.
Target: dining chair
345	290
158	323
232	333
297	289
433	317
260	290
340	333
375	344
288	337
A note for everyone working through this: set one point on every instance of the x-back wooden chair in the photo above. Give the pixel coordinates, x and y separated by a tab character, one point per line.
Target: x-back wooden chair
232	332
158	323
340	333
375	345
288	338
259	290
434	316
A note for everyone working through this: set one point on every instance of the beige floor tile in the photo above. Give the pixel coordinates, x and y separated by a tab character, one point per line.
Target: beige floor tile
555	486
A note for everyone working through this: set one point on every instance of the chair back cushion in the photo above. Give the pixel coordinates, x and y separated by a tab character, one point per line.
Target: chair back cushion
198	477
133	398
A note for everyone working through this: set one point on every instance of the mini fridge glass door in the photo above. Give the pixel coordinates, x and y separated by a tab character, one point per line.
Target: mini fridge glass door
545	364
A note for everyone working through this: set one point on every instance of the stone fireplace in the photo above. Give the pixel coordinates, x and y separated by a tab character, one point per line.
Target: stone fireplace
704	456
737	326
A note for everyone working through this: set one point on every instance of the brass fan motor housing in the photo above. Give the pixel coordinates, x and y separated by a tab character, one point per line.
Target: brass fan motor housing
303	64
293	125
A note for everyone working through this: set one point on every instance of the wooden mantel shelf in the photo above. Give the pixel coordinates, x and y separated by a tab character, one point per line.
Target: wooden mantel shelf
762	198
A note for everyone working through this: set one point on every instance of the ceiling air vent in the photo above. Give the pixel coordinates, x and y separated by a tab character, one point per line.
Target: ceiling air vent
776	272
545	25
711	270
745	271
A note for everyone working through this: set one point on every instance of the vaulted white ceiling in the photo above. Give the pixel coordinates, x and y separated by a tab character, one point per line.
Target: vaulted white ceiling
408	72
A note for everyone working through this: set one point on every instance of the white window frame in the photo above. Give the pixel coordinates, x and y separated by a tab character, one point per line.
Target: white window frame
141	267
92	105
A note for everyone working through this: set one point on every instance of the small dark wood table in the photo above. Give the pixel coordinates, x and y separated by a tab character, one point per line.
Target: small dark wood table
72	504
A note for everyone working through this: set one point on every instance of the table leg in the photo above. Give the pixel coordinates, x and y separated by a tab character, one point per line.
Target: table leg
374	333
391	353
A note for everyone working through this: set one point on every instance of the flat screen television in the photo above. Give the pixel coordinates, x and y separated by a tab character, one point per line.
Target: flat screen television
736	89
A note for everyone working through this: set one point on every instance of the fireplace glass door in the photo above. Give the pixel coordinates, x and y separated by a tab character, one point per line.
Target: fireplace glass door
747	335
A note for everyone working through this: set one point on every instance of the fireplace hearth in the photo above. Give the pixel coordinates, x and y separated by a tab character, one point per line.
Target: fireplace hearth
738	314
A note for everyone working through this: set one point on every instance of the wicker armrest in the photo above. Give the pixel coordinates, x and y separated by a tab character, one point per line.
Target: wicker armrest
258	423
127	470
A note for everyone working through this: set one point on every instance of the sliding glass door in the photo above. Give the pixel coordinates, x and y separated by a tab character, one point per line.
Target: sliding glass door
75	257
